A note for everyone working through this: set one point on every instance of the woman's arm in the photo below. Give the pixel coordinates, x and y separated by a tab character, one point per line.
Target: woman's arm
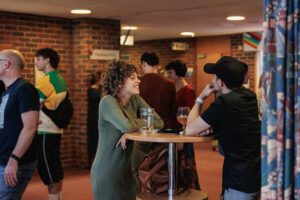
111	111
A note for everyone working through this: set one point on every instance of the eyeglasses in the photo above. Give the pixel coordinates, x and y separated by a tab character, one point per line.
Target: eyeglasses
3	59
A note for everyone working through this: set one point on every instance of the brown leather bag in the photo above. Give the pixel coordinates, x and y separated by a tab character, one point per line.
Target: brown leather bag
153	172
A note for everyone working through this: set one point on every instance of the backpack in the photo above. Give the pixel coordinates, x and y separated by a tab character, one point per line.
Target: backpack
62	115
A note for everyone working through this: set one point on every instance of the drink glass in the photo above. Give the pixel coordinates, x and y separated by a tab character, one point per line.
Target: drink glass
147	120
182	115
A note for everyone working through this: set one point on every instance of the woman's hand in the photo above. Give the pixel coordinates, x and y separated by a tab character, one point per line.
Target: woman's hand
122	141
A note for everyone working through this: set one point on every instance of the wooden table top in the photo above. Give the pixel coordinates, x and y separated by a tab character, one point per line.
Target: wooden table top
165	138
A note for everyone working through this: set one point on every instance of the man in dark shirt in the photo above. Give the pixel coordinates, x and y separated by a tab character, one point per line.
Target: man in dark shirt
19	113
160	93
235	113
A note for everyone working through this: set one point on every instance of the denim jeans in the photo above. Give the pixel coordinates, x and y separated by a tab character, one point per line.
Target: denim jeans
24	175
231	194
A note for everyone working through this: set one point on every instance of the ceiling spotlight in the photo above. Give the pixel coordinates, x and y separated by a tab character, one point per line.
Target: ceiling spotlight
81	12
235	18
129	27
192	34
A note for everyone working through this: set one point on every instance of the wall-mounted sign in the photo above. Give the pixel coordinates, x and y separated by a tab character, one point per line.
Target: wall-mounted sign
126	57
180	46
201	56
101	54
190	71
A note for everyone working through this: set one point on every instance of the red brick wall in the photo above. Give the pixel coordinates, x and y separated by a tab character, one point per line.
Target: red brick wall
163	50
88	34
73	40
248	57
28	33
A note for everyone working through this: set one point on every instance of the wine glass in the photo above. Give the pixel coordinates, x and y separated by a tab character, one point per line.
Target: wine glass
182	115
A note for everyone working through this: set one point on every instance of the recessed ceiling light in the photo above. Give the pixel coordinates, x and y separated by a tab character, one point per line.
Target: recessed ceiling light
81	12
129	27
235	18
192	34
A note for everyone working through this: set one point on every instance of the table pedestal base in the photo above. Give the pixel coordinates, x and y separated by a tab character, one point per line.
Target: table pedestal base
188	194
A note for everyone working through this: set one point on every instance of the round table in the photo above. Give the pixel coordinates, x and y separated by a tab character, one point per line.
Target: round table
172	139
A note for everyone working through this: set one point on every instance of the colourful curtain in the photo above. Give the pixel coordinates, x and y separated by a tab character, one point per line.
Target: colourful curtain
280	101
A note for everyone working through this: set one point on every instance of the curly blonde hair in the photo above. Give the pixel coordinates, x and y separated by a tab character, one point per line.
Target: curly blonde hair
115	77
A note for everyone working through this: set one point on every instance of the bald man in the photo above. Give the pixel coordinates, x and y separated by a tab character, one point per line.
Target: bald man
19	112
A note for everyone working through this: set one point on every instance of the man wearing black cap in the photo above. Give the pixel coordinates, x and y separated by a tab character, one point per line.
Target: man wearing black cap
235	113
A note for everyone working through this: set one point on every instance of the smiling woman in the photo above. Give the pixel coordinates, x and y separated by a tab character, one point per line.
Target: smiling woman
111	175
116	76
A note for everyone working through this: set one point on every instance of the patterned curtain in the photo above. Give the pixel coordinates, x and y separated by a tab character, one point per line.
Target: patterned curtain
280	101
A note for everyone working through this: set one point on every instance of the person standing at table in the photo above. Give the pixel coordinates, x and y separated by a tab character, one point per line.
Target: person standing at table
185	94
159	92
94	96
119	109
52	90
19	113
235	112
185	97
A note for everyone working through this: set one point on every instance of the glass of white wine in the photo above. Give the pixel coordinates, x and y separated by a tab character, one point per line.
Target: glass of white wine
182	115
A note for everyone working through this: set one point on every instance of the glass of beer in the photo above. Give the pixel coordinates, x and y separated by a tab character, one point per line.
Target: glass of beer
182	115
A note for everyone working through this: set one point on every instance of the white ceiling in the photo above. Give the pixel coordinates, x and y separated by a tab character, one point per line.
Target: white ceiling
156	19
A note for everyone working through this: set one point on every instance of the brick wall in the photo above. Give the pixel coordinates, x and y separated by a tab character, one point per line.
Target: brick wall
28	33
163	50
248	57
88	34
73	40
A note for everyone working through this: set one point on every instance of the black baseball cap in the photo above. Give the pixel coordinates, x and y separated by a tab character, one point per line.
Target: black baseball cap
229	70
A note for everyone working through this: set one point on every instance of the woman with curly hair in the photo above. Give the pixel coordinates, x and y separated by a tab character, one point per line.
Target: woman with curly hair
111	175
